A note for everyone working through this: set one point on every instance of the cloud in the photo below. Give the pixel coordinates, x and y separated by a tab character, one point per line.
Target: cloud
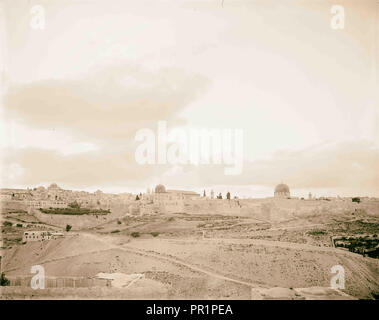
353	166
107	104
32	166
103	109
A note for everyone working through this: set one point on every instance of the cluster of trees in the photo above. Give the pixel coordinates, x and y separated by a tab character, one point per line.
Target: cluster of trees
7	224
75	211
361	245
219	195
74	205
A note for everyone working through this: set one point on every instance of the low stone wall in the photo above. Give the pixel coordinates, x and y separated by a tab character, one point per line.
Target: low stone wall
144	289
60	282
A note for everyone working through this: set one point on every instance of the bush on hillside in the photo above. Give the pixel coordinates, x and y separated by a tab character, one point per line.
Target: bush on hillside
3	280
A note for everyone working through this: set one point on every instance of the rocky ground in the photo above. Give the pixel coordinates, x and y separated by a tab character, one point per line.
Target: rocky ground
201	257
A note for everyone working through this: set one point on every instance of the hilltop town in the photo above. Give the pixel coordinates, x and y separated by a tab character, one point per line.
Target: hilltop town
86	240
160	200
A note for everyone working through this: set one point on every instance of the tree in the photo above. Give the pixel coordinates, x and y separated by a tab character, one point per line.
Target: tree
204	195
68	227
7	224
74	205
137	197
356	199
228	195
219	196
3	280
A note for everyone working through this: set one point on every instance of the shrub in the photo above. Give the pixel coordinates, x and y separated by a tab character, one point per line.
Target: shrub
18	225
118	222
115	231
356	199
74	205
155	234
316	232
3	280
7	224
135	234
68	228
75	211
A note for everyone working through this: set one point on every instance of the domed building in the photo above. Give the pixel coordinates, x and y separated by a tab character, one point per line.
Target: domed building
53	186
54	192
160	188
282	191
171	201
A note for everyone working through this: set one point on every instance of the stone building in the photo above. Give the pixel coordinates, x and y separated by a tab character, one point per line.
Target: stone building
172	201
282	191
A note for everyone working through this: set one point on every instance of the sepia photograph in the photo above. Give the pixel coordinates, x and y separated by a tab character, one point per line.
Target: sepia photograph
209	150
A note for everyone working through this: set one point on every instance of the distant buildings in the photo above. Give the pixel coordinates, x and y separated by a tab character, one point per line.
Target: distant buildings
282	191
162	201
56	197
171	201
40	235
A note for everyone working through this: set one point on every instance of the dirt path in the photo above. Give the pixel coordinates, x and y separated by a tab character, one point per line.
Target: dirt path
261	242
176	261
308	226
155	255
60	258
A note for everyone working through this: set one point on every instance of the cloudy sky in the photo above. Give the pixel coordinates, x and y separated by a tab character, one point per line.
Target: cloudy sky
75	93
